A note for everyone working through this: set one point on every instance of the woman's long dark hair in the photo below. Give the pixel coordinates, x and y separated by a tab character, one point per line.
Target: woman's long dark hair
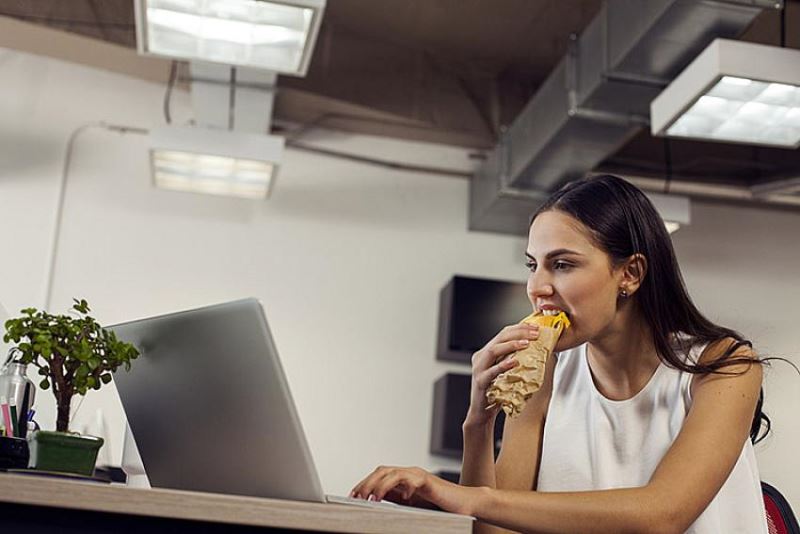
624	222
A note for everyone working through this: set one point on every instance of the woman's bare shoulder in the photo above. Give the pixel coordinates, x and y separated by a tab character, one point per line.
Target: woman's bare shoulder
727	348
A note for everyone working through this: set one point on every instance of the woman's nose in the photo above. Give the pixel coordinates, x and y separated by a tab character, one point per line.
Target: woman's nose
539	285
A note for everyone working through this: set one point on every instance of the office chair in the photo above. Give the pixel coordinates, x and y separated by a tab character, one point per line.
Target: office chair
780	518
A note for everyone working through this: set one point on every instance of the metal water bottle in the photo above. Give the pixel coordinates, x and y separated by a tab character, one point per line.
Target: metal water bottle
18	389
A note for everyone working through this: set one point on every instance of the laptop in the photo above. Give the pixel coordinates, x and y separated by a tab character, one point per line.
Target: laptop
209	407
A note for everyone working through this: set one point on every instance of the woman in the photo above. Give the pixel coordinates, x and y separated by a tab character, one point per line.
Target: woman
642	422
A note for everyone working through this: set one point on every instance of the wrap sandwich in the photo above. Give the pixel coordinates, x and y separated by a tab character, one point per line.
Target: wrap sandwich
512	388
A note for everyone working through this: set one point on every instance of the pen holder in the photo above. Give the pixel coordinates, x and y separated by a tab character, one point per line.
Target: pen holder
13	453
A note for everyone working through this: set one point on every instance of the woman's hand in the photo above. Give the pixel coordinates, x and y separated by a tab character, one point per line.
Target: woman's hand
414	486
489	362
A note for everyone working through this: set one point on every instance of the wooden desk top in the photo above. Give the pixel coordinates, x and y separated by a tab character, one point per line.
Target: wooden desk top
79	495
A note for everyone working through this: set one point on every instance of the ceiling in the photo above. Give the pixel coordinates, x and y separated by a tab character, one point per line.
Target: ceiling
448	71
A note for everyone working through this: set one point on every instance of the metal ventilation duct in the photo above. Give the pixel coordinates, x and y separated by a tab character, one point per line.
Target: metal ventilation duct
596	99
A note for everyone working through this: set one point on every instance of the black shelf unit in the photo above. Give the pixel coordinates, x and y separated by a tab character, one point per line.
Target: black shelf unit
473	310
450	404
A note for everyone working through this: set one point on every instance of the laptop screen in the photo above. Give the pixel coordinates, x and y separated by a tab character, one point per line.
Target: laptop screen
210	408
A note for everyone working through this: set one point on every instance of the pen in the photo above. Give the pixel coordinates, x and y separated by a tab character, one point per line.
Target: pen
22	422
6	417
14	423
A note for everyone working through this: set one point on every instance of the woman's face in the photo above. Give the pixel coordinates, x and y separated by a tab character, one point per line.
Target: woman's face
568	272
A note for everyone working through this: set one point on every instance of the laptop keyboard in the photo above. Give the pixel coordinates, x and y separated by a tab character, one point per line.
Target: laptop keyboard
337	499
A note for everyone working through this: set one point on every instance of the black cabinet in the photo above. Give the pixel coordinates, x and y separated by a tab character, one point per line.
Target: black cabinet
450	405
473	310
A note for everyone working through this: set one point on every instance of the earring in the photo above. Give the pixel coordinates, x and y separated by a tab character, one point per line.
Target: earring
623	293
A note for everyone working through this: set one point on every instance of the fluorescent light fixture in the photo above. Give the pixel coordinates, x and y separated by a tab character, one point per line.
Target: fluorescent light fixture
675	210
215	161
736	92
277	35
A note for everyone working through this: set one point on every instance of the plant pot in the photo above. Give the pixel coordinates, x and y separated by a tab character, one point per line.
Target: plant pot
62	452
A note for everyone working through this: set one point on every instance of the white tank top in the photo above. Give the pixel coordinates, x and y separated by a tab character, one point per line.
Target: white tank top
592	443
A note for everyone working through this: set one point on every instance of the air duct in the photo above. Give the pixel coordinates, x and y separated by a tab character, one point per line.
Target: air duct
596	99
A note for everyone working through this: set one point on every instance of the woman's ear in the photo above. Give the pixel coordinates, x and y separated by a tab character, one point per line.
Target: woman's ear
632	274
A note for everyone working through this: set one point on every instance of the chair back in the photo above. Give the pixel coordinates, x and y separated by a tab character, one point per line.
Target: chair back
780	518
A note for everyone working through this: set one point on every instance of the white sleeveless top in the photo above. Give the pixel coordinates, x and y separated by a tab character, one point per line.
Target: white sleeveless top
592	443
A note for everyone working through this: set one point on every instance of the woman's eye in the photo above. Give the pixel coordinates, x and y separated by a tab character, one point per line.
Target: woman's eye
561	265
530	265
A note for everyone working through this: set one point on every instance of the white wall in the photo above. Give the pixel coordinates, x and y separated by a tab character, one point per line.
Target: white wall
348	260
742	267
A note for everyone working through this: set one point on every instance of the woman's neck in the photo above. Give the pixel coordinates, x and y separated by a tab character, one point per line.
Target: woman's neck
623	358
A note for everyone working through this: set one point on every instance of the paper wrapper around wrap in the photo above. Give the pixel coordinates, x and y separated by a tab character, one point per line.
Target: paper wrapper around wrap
514	387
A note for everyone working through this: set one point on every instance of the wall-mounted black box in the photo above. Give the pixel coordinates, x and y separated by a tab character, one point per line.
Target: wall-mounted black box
450	405
473	310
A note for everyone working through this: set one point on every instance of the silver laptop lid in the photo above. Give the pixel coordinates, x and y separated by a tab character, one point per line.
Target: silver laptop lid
210	408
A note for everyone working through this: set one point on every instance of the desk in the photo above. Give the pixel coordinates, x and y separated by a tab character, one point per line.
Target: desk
40	504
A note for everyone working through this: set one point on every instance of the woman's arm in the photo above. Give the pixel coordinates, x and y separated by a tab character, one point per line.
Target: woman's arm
477	462
520	451
495	358
518	463
684	483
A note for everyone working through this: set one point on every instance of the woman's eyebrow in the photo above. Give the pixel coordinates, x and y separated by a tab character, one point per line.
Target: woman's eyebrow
557	252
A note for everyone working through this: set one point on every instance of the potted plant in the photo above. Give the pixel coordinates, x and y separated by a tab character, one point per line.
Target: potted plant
74	354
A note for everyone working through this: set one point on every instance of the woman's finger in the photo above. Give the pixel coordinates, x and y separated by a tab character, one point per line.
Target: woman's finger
486	378
514	331
363	489
507	342
401	481
389	482
502	350
519	331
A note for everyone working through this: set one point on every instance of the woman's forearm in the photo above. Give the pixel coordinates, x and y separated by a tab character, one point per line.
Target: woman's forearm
630	510
477	466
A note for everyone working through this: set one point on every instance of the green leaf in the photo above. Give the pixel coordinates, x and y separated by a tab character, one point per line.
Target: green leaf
74	343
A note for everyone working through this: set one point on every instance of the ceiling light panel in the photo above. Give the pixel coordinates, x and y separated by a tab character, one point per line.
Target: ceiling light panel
215	175
272	35
217	162
734	92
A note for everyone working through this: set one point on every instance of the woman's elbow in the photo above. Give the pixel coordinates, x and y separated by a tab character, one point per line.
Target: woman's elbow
658	514
669	519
